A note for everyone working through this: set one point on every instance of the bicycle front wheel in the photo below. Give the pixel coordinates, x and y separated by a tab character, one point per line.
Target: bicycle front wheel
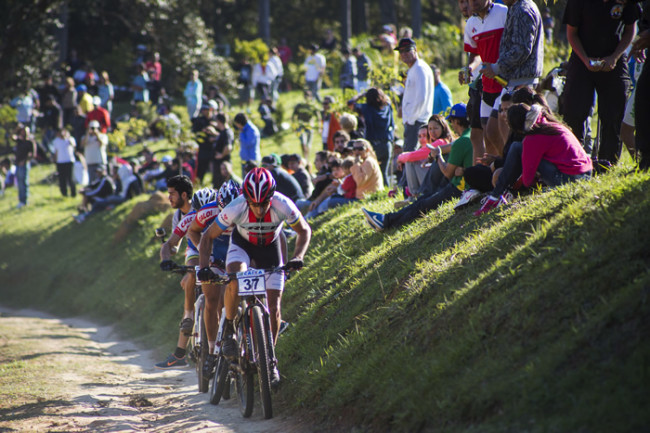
204	379
263	372
221	381
244	380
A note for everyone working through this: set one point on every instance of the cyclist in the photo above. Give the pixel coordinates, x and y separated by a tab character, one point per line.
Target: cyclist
256	217
213	293
180	191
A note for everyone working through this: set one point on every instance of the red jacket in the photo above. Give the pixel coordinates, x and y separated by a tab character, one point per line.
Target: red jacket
101	115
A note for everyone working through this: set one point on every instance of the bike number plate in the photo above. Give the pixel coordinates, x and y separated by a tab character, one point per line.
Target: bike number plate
251	282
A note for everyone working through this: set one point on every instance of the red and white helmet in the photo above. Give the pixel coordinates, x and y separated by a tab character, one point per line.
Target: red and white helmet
258	185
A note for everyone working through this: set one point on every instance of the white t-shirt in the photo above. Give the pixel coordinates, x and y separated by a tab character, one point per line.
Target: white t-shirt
64	149
315	66
417	102
95	150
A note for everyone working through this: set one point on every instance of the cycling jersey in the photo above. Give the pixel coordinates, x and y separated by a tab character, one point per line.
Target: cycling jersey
483	37
259	232
204	217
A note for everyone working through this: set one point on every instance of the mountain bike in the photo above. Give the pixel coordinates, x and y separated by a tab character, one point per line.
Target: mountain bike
256	347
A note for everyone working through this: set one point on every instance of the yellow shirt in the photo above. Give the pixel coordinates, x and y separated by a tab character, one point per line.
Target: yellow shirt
86	103
368	177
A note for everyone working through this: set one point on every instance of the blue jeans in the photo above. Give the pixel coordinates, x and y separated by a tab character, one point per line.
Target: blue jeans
552	176
22	176
314	87
411	136
421	207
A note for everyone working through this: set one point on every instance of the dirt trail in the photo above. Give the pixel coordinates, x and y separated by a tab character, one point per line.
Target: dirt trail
74	376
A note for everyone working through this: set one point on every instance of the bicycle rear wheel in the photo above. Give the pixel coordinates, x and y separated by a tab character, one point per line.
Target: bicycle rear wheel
263	372
244	380
204	380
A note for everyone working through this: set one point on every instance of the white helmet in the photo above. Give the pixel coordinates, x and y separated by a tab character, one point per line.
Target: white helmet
203	197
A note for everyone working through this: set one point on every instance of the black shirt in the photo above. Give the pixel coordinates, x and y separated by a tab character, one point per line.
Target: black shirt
600	25
287	184
226	137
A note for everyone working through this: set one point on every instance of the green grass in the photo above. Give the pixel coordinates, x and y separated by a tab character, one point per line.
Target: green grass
531	318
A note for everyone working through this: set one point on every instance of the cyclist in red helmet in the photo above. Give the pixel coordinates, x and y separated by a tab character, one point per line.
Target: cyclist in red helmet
257	218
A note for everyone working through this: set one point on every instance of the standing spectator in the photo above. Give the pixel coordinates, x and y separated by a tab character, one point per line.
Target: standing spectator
154	70
94	144
521	59
363	69
85	99
329	42
200	122
483	33
264	74
442	100
25	151
266	111
193	92
348	76
222	149
642	97
26	105
100	114
106	92
52	121
206	139
139	85
215	94
304	114
249	140
330	123
64	147
276	62
284	51
48	88
69	100
549	24
599	33
245	81
315	69
380	126
417	101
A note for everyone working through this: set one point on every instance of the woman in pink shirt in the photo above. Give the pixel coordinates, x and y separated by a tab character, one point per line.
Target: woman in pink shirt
549	147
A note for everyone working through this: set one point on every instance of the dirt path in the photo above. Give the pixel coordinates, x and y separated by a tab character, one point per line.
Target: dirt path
71	376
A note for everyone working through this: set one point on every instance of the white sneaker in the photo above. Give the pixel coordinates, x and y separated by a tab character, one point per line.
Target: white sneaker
20	205
469	196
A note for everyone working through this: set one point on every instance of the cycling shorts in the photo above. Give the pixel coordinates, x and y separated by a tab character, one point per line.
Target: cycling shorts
263	257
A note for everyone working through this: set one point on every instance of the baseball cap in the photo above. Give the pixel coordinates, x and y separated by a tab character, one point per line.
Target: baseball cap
405	44
213	104
97	101
387	28
93	124
81	88
166	159
459	110
272	159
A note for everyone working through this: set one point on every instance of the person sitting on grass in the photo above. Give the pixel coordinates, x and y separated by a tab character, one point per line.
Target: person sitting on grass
102	187
342	190
548	148
460	157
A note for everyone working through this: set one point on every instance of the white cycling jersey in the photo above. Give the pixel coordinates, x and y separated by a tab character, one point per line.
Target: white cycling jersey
259	232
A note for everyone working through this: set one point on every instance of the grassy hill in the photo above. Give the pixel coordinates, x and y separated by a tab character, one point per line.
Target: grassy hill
534	317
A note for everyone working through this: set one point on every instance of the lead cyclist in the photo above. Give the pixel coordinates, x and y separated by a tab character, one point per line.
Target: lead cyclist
257	218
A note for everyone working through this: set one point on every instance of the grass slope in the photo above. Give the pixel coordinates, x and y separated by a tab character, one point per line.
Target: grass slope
533	317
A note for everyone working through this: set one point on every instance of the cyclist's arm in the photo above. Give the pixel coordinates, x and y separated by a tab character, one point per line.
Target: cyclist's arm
194	232
303	232
205	244
171	245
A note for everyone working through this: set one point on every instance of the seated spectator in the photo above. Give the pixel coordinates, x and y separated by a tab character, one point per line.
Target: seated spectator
101	187
7	175
366	171
549	147
296	165
320	181
341	139
172	167
334	179
80	169
349	124
396	170
266	113
460	156
227	172
286	184
344	189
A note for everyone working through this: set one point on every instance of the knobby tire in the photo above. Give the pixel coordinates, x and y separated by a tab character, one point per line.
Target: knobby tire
204	381
244	380
221	381
263	372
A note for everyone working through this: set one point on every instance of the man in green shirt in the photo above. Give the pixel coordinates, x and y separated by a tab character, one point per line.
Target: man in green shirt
460	156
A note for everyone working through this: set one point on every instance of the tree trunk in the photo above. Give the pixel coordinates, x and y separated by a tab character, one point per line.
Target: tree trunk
387	12
346	23
416	17
265	20
360	14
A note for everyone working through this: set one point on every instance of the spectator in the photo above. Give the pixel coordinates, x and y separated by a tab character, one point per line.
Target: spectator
94	144
139	85
154	70
642	96
51	121
459	157
388	38
348	76
101	187
64	147
341	139
549	148
171	168
245	79
284	51
100	114
364	65
193	92
341	191
249	140
215	94
331	181
26	105
417	101
329	42
549	24
47	89
222	149
483	33
366	171
304	114
348	124
266	111
442	100
297	168
227	173
598	64
521	59
380	125
315	69
206	154
69	100
25	151
7	175
329	123
394	167
276	62
264	74
106	92
320	181
286	184
85	99
204	118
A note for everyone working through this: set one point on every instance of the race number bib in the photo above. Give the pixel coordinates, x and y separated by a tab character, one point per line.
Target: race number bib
251	282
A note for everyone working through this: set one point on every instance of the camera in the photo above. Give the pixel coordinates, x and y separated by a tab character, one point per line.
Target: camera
160	232
594	63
